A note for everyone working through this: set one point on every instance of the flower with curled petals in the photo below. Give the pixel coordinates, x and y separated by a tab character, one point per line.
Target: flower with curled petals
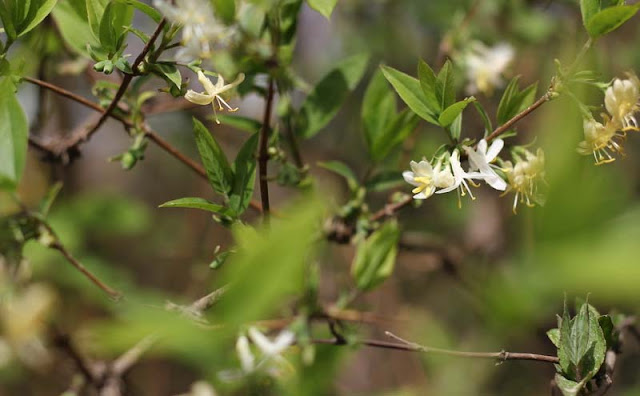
212	93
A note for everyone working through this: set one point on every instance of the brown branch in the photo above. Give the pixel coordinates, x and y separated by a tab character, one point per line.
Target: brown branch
263	156
125	83
505	127
65	145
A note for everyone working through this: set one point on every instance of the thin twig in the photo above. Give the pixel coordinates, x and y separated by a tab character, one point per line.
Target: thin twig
263	156
501	356
125	82
505	127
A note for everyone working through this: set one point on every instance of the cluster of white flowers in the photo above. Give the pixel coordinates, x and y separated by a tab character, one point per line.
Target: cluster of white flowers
270	361
485	66
604	140
447	174
200	28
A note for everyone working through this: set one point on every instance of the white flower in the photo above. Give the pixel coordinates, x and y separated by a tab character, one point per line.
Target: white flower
427	179
525	178
481	160
460	177
622	100
485	66
601	140
199	25
269	348
247	360
213	92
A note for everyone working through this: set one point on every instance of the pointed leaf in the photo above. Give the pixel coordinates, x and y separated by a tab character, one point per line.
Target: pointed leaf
343	170
429	84
324	7
378	109
197	203
452	112
445	86
376	257
244	168
215	162
610	19
410	92
14	132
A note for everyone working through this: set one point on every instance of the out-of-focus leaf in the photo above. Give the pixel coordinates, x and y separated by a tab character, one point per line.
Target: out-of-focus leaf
588	8
488	128
343	170
145	8
567	386
610	19
244	169
38	10
74	27
324	7
215	162
410	92
395	133
384	181
269	264
378	109
606	324
325	100
226	9
514	101
14	131
239	122
376	257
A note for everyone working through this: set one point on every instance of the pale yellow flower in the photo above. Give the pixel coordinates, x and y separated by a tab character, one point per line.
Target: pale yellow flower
212	93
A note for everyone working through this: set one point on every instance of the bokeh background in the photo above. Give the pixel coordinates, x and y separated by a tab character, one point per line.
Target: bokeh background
477	278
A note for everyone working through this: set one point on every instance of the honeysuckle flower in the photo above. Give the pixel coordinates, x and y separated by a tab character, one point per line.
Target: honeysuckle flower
199	25
525	178
622	101
481	160
212	93
486	65
427	178
460	177
270	361
601	140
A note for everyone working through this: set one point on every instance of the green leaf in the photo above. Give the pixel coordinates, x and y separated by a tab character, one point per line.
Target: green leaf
514	101
74	27
343	170
488	128
244	168
452	112
95	12
445	86
588	8
410	92
169	72
554	336
429	84
565	351
197	203
240	122
376	257
270	264
378	109
324	7
7	22
567	386
142	7
325	100
225	9
395	133
38	10
215	162
112	25
606	324
610	19
580	334
14	130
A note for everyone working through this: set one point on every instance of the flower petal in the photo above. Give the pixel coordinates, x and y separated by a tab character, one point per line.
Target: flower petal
198	98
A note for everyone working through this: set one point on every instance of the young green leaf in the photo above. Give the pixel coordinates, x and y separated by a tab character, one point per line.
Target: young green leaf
95	12
38	10
343	170
610	19
488	128
74	27
244	169
410	92
606	324
445	86
378	109
169	72
144	8
588	8
197	203
429	84
324	7
7	22
325	100
567	386
13	136
452	112
376	257
240	122
112	25
215	162
394	134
